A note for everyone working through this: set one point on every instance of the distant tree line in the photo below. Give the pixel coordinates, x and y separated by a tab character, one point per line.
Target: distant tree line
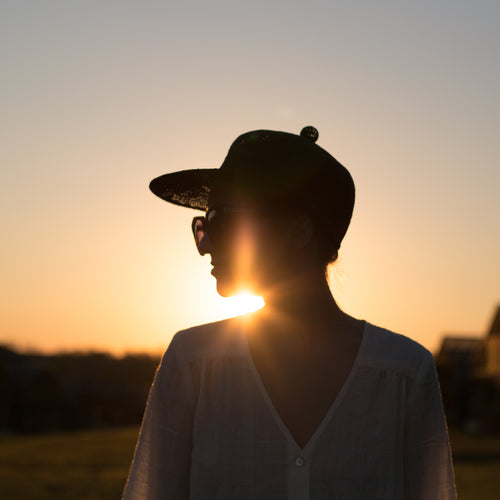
41	393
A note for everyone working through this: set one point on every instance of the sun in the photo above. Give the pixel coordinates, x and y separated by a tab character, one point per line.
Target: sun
243	303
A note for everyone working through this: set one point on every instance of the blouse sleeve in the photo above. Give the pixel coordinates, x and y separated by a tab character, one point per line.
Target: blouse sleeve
161	465
428	469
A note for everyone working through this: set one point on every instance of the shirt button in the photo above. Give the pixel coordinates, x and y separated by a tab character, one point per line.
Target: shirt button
299	461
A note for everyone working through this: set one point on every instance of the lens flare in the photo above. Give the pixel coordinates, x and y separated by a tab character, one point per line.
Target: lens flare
243	303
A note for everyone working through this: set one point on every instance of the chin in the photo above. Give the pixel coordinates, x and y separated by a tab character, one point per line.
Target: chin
229	287
223	290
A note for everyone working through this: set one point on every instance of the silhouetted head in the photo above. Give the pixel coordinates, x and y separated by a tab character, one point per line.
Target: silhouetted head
278	205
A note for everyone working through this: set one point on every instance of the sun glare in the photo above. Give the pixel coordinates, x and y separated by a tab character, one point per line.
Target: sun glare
243	303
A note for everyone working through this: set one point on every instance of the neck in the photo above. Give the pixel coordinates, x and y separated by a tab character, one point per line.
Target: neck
304	303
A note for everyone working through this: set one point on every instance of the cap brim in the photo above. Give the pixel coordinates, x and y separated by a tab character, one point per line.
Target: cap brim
187	188
192	188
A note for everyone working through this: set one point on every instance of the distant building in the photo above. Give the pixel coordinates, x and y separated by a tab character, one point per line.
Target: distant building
492	365
469	374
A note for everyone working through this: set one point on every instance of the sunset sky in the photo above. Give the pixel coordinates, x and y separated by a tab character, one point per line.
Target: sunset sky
99	97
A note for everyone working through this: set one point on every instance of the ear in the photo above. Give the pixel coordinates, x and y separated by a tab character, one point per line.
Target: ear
301	232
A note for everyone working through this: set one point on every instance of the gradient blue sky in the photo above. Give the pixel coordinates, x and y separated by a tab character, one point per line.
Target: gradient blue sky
99	97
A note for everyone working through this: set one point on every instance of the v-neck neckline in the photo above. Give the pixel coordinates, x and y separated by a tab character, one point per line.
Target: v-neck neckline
328	415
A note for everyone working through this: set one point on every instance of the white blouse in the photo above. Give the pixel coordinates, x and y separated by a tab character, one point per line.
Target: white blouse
210	430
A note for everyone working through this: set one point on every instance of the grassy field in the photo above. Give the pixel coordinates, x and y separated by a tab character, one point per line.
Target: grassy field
74	466
477	466
94	465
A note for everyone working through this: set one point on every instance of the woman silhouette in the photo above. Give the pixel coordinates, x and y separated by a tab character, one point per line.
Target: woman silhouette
298	400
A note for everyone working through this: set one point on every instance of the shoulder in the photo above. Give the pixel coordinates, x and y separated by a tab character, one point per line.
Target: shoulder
217	339
389	350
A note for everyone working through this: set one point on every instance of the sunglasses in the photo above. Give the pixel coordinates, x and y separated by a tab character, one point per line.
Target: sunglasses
217	224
